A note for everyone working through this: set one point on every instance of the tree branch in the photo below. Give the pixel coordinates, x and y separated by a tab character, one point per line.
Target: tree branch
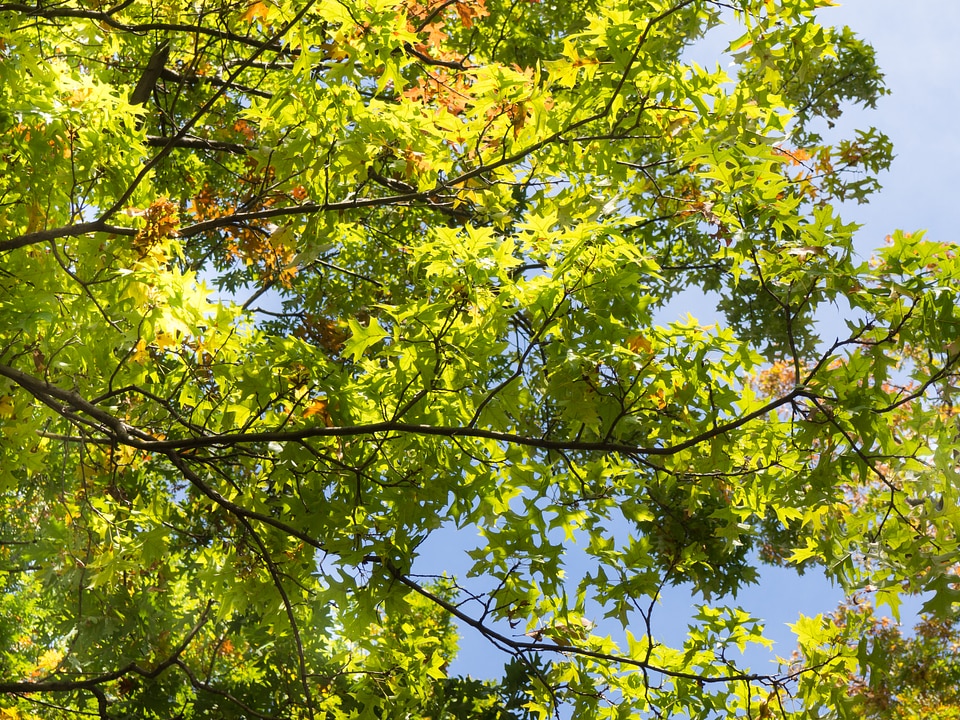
142	440
524	646
28	686
107	18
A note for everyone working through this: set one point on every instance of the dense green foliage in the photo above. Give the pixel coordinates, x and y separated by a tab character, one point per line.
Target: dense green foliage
451	229
902	676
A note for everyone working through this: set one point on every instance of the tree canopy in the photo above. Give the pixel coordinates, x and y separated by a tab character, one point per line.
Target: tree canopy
287	288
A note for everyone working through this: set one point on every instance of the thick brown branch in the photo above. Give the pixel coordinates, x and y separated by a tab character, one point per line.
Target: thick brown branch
132	437
195	143
241	219
176	77
76	230
65	402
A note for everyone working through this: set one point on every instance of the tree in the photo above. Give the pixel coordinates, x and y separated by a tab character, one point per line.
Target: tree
450	228
898	676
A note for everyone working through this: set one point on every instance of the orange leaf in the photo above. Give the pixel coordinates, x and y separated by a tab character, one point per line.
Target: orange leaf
468	12
319	407
256	11
638	343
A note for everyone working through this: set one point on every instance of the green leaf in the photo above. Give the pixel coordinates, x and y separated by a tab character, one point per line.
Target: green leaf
363	337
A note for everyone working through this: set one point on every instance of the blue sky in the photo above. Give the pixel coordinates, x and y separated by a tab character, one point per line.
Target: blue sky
918	50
